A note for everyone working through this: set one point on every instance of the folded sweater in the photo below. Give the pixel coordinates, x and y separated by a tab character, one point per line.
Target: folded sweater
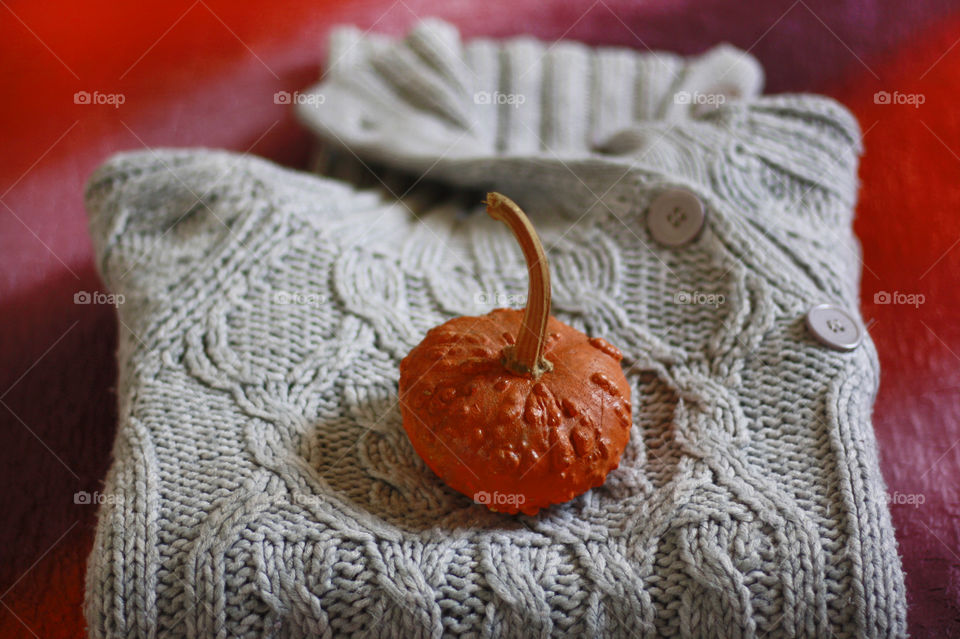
263	482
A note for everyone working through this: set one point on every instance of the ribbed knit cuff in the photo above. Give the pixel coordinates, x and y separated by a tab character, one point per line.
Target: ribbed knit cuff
572	120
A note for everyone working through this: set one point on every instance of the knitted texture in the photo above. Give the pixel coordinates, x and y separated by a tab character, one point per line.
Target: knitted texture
263	484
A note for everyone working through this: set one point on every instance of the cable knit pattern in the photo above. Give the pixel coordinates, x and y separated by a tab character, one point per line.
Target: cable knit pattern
265	485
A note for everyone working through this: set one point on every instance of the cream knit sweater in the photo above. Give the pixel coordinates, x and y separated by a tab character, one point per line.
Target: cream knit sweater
264	484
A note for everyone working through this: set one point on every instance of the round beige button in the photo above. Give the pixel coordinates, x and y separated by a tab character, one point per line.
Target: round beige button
675	217
834	327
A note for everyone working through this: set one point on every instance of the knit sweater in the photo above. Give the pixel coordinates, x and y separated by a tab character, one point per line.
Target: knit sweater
262	482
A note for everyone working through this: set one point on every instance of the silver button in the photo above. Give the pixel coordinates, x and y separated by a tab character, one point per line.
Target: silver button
675	217
834	327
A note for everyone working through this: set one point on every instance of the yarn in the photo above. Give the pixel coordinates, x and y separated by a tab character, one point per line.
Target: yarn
265	484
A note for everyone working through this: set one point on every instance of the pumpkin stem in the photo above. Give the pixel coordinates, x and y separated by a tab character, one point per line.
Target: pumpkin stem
526	357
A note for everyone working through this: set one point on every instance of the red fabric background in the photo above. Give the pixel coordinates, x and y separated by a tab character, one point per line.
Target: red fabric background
204	73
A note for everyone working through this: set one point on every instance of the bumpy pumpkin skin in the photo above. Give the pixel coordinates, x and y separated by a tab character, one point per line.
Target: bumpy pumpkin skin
519	443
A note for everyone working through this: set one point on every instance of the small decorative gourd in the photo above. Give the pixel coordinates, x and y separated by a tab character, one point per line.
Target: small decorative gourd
516	409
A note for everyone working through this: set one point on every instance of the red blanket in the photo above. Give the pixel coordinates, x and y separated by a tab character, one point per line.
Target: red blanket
83	80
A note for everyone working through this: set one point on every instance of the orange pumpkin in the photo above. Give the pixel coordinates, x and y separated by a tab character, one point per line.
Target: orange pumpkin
515	408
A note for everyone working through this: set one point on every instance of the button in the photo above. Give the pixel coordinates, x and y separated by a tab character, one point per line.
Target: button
675	217
834	327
